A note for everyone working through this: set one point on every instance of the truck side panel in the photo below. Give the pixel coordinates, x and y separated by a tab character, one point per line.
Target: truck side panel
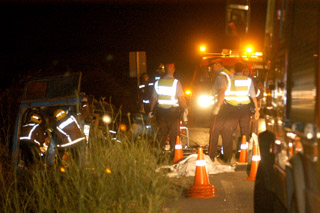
303	62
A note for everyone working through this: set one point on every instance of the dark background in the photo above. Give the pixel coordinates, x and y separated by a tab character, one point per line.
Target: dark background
96	37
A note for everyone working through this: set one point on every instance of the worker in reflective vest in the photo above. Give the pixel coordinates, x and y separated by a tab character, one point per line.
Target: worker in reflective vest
235	110
69	135
220	123
145	90
169	95
32	138
160	72
241	90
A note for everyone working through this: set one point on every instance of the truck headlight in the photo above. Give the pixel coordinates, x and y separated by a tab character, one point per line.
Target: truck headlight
205	101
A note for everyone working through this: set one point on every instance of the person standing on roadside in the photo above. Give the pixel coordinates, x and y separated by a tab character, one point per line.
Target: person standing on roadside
220	122
238	97
258	87
145	90
169	95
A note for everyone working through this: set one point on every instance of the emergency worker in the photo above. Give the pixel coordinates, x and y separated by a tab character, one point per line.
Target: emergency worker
258	87
32	138
160	72
238	98
169	95
145	92
69	135
220	122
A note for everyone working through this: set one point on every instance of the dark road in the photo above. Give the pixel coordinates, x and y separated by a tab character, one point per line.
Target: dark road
233	195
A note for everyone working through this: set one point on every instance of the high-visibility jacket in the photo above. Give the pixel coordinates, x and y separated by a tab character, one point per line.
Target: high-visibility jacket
239	90
166	90
69	132
33	133
226	73
145	91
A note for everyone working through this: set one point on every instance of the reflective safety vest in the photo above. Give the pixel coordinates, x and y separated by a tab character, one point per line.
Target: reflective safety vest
166	90
33	133
70	132
225	73
145	92
239	90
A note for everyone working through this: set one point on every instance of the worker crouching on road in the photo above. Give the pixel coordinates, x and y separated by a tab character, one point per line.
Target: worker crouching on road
69	136
32	138
169	95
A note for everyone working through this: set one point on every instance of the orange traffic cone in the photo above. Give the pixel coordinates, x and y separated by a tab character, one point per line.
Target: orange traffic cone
201	188
290	151
178	154
255	162
298	145
244	150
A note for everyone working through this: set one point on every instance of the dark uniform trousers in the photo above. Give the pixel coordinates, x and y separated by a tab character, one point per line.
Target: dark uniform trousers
169	124
225	123
30	152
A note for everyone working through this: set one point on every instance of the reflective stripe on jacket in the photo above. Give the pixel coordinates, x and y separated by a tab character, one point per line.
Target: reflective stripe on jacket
145	91
33	133
166	90
239	90
224	72
70	130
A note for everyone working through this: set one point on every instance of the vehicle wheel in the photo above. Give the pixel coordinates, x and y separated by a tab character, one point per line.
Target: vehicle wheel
263	198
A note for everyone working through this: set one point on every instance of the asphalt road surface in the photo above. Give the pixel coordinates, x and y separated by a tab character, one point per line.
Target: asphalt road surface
234	194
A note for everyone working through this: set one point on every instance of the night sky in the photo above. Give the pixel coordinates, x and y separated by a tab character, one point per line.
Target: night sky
36	36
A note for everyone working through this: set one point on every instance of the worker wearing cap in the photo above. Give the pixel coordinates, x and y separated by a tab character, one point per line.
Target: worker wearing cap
169	95
32	138
241	90
69	136
220	122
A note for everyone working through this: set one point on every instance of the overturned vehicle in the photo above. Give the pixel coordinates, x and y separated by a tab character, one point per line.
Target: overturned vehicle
55	119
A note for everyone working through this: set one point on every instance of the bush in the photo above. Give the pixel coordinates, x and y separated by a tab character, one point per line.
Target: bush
119	177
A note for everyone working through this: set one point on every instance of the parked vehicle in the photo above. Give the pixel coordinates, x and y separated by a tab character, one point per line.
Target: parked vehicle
288	175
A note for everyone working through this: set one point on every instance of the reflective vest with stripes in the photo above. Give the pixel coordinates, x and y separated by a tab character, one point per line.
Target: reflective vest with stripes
239	90
32	133
145	91
224	73
69	133
166	90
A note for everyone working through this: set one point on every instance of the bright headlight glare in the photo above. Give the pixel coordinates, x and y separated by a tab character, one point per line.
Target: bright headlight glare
205	100
106	119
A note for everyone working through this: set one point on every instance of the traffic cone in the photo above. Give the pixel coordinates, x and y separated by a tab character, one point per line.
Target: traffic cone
298	145
244	150
242	164
255	162
178	154
201	188
290	151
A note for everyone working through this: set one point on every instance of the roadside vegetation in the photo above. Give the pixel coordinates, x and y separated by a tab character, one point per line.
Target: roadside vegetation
117	177
120	177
